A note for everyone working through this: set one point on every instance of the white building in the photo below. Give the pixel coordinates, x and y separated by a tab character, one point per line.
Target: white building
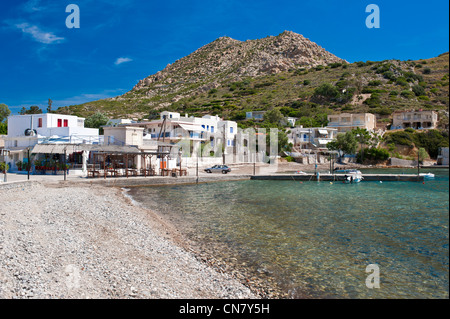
314	138
117	122
172	127
208	134
26	131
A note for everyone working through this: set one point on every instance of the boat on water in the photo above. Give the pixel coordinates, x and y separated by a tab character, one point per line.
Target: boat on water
427	175
301	173
351	175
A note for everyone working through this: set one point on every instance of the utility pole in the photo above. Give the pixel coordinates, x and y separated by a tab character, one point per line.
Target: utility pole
28	165
224	146
65	168
418	164
197	167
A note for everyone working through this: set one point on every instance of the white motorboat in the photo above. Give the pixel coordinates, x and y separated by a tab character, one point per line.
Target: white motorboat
351	175
427	175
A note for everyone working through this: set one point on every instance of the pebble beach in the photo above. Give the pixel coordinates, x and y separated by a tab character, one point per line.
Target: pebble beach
91	241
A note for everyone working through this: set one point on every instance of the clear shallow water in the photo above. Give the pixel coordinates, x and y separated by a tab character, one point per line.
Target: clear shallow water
315	239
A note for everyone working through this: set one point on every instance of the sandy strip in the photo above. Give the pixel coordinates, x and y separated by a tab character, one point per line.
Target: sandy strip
89	241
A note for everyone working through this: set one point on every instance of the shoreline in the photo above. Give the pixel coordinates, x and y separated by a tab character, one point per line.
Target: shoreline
89	241
220	262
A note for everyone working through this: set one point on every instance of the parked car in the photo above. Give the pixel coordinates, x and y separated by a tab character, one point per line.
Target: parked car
218	169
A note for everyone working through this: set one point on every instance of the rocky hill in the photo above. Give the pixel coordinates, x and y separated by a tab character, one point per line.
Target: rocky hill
229	77
229	59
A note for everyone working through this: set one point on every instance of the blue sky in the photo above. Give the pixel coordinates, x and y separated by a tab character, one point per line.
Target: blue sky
123	41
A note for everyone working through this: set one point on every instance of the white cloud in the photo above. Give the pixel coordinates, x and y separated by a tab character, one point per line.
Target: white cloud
38	34
32	6
122	60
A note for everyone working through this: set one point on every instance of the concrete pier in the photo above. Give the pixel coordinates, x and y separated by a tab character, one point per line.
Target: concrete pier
341	177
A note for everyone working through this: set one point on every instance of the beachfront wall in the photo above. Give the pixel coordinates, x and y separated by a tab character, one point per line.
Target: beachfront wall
443	157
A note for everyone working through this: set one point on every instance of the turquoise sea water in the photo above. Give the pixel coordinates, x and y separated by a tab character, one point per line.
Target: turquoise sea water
315	239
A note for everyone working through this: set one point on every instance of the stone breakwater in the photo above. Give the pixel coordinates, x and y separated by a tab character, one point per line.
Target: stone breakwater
89	241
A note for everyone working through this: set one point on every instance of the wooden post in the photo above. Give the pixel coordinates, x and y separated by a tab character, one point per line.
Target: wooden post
145	164
418	164
65	169
104	166
126	164
197	168
28	166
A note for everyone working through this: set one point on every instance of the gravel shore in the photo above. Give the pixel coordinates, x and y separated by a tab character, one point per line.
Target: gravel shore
90	241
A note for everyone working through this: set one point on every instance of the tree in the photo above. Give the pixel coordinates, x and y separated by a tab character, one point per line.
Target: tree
273	116
326	90
3	128
345	143
32	110
422	154
49	108
418	90
96	121
4	112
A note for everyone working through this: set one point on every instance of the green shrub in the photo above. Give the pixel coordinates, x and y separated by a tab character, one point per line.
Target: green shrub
374	154
289	159
326	90
335	65
393	93
374	101
375	83
407	94
418	90
402	81
400	138
426	71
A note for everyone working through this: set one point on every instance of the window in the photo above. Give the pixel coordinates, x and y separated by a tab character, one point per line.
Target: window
40	122
212	129
59	123
66	123
231	130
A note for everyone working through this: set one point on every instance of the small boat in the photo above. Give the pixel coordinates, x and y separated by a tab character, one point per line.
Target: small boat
301	173
351	175
427	175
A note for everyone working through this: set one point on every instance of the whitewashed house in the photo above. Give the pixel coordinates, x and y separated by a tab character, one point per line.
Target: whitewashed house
192	134
314	138
26	131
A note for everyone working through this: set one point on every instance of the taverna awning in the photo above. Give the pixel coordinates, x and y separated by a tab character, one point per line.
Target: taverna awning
191	127
70	148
